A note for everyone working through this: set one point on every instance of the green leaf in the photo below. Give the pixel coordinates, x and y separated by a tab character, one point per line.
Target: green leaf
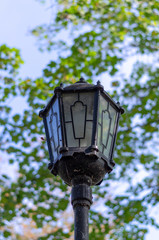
6	234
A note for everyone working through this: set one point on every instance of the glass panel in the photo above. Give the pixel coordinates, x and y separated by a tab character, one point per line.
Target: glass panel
55	154
52	147
107	150
78	113
48	121
88	99
71	142
56	110
106	125
55	130
106	121
113	117
68	101
53	123
103	105
88	138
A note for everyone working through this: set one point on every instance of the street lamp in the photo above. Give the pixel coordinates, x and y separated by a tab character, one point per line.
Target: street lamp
81	122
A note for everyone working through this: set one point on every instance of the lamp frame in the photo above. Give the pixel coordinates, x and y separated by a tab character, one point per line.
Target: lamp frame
91	151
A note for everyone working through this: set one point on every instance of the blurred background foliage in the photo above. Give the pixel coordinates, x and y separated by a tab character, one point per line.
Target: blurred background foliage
92	38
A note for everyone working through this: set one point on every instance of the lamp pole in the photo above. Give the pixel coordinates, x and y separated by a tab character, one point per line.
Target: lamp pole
81	122
81	199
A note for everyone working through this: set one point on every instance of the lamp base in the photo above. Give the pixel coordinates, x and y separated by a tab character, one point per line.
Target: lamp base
69	167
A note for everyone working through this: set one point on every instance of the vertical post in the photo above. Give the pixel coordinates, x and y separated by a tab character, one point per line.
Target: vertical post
81	199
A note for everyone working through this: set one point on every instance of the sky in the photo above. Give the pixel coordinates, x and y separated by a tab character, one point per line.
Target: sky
17	18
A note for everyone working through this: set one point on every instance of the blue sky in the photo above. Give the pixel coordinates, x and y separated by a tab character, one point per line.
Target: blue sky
17	18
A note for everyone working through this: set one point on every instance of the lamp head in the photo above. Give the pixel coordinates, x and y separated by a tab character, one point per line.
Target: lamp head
81	122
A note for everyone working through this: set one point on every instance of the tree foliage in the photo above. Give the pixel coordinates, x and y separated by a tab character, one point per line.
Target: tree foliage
92	38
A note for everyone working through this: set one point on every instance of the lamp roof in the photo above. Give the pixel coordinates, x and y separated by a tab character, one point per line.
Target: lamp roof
80	85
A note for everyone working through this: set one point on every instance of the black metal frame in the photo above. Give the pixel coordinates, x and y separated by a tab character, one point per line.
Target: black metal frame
65	151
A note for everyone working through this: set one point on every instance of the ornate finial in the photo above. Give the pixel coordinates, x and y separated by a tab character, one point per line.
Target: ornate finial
81	79
100	86
61	85
41	112
121	108
50	166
